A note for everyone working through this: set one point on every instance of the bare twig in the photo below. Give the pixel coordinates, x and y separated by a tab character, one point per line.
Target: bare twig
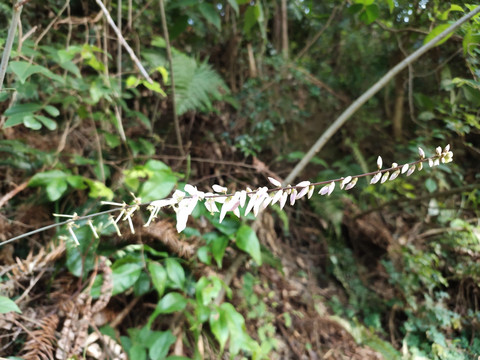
319	33
124	42
4	199
338	123
17	10
172	78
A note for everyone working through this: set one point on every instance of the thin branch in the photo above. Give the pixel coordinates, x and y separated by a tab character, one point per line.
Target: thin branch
172	78
124	42
17	10
319	33
74	218
338	123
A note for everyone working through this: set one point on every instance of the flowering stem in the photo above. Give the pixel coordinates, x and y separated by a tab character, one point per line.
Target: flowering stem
232	199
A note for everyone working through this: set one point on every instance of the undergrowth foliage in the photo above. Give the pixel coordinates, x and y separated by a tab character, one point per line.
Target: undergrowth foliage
259	199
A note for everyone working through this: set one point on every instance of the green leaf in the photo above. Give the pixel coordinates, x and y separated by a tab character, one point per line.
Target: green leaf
247	241
47	122
159	349
370	14
55	182
170	303
219	326
142	285
252	15
24	69
159	277
52	110
391	5
210	13
204	255
7	305
76	181
98	189
436	31
234	5
175	273
158	186
137	352
453	7
30	122
154	86
218	247
124	276
23	109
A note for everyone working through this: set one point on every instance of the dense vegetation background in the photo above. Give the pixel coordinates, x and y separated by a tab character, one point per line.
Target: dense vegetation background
386	271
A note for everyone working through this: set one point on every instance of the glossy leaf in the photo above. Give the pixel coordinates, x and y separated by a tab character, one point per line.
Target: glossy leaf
124	276
159	277
436	31
175	273
170	303
247	241
161	346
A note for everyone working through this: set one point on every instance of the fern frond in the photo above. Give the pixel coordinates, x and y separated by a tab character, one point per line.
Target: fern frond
196	84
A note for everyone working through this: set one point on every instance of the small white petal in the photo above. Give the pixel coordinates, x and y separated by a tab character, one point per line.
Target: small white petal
293	196
420	166
236	212
384	177
266	202
277	196
430	162
283	199
250	205
219	189
447	148
274	182
438	150
436	162
331	187
351	184
302	193
192	190
311	189
376	178
421	153
411	170
345	181
243	198
394	175
379	162
394	165
404	168
211	206
303	184
324	190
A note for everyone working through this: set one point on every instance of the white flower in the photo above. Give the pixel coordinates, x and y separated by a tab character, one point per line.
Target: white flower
351	184
404	168
421	153
345	182
274	182
231	204
394	175
183	210
430	162
219	189
210	203
420	166
304	185
446	149
293	196
438	150
331	187
283	199
324	190
243	198
384	177
192	190
411	170
379	162
277	196
376	178
311	189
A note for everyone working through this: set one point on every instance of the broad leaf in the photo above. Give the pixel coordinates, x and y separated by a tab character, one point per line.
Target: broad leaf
247	241
159	349
436	31
210	13
124	276
159	277
170	303
175	273
7	305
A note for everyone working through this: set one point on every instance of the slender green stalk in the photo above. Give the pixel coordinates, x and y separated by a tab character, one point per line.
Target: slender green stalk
17	10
